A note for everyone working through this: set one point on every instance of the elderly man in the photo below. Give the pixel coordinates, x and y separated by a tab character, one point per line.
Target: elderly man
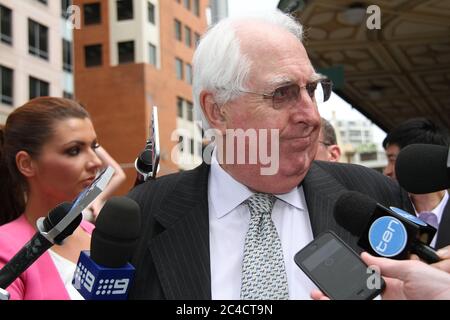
229	229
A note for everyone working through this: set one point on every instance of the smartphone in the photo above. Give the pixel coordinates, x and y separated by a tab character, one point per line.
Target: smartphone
337	270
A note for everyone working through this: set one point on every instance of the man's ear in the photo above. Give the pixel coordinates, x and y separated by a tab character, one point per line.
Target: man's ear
335	152
212	111
25	164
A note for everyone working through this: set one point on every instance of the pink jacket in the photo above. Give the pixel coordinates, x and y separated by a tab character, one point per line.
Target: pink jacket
41	281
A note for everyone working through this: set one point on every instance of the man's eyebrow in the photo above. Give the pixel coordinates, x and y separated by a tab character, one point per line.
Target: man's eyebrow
316	76
280	80
283	80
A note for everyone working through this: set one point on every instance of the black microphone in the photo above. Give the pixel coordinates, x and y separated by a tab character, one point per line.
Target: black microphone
60	223
104	273
39	243
387	232
423	168
147	162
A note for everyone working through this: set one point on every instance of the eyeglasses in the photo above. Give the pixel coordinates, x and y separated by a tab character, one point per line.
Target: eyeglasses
288	95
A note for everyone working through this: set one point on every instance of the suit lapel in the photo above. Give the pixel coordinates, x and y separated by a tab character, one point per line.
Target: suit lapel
443	238
181	252
321	193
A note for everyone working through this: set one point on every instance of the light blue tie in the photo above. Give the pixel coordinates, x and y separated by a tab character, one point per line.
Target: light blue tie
263	271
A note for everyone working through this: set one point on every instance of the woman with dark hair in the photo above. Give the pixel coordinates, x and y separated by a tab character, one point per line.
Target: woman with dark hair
47	156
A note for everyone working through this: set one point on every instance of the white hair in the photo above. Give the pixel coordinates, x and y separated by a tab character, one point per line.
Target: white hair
219	65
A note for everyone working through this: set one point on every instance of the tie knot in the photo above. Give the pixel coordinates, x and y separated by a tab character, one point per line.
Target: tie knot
430	218
261	202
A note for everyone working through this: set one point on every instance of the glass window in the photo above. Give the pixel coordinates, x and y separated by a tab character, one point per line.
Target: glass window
67	95
37	39
151	12
187	36
188	73
181	143
65	4
191	149
124	9
6	85
179	107
177	30
5	25
67	55
126	51
152	54
196	39
197	7
187	4
38	88
190	111
179	68
92	13
93	55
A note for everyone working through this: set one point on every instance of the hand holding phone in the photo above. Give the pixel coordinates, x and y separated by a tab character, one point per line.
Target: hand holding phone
337	270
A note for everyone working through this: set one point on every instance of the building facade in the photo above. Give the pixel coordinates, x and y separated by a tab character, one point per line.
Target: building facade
357	143
35	52
131	55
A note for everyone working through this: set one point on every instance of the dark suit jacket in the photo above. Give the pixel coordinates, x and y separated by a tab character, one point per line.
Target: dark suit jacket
172	258
443	238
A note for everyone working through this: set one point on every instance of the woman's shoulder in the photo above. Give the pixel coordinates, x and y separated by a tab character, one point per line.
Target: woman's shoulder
13	235
19	229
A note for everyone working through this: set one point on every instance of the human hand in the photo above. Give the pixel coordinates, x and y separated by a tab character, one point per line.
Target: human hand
444	254
410	279
318	295
95	207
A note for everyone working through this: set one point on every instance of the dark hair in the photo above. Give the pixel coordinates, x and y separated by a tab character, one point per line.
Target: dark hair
417	130
329	135
28	128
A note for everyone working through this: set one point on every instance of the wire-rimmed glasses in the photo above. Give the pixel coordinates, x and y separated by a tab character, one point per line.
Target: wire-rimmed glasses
288	94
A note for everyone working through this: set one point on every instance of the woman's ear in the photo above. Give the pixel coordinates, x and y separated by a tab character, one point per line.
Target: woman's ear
212	111
25	164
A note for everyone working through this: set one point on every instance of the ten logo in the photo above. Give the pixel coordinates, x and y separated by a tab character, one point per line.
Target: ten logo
387	236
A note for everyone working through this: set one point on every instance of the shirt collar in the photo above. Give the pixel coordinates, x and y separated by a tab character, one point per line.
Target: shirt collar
228	193
439	209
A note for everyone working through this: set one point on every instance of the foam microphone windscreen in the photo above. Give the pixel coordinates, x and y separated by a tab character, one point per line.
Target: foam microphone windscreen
353	210
116	232
56	215
422	168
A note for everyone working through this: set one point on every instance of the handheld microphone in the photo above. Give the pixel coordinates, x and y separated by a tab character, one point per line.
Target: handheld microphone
104	273
147	163
391	233
60	223
423	168
38	244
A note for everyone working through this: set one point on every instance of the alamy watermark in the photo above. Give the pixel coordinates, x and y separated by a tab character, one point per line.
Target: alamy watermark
374	20
73	17
236	146
374	280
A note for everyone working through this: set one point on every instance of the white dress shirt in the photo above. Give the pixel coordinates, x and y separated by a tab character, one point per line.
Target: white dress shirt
229	220
66	269
438	211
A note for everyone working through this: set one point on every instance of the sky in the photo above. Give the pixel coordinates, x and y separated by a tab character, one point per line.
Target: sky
342	109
